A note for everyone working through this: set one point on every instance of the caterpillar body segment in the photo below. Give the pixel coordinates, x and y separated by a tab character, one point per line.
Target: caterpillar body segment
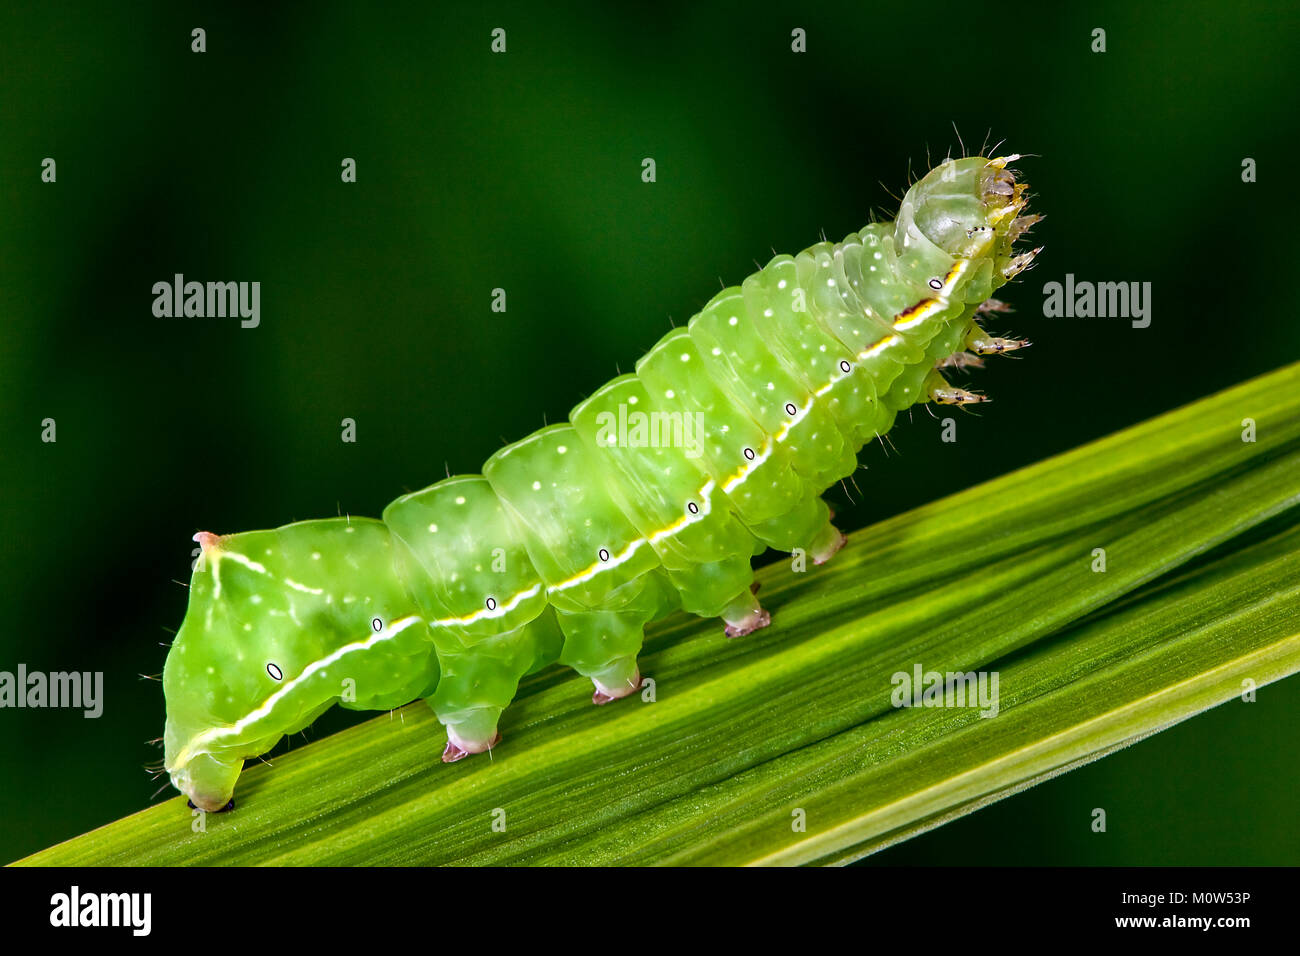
459	554
675	505
653	497
282	625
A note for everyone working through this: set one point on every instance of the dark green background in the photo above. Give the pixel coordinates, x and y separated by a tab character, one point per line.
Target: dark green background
522	171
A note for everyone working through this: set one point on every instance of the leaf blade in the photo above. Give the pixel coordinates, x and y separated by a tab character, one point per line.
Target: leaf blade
657	783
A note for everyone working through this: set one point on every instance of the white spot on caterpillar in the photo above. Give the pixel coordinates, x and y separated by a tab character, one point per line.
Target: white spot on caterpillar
433	529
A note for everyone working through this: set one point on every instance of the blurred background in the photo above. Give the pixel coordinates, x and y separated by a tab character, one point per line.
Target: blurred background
522	171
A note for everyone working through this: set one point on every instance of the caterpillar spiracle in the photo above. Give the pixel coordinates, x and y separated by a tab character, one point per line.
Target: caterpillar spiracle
576	537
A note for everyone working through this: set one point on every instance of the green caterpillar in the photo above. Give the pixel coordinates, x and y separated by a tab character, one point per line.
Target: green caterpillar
653	497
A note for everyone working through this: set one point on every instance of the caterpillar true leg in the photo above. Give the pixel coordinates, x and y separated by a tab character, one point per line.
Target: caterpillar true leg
983	344
941	393
1020	263
961	360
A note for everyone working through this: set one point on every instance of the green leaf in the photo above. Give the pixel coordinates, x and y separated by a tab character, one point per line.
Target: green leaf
1200	532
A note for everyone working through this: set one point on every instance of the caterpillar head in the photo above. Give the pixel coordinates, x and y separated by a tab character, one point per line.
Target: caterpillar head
967	207
281	625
